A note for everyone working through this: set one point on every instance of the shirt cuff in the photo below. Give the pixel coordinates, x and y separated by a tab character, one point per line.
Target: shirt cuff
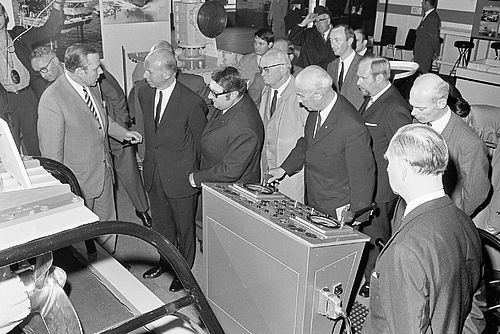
191	180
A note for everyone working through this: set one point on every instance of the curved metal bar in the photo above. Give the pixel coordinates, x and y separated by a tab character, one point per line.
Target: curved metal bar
89	231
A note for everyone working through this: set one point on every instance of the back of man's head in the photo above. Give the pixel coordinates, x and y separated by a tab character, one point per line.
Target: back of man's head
315	78
421	148
76	56
378	66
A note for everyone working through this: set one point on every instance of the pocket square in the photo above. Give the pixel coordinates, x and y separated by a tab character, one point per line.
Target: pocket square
370	124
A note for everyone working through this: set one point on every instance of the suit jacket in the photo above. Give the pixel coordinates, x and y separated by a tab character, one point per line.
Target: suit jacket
314	50
350	89
282	131
466	178
173	150
427	46
383	118
69	133
338	161
231	145
427	273
249	66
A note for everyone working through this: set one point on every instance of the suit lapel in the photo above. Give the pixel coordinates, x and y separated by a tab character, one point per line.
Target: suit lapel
222	120
170	109
328	124
79	101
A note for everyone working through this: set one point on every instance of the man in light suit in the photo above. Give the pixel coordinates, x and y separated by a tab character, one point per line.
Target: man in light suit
384	112
343	70
73	128
283	118
45	63
427	46
232	140
334	151
427	273
466	178
174	119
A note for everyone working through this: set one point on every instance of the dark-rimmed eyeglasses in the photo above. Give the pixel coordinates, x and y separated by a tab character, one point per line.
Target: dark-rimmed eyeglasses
321	20
44	69
267	68
215	94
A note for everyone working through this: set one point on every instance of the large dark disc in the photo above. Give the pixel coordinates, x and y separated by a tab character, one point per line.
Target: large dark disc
212	19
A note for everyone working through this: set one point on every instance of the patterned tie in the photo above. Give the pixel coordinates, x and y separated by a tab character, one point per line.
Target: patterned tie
363	107
273	103
341	75
89	102
158	111
318	124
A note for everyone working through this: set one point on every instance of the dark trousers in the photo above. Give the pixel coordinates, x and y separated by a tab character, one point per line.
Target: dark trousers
128	174
174	219
378	228
23	120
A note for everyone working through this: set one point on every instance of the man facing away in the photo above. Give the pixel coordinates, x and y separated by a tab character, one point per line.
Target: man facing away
384	112
334	150
174	119
73	128
283	118
427	273
46	64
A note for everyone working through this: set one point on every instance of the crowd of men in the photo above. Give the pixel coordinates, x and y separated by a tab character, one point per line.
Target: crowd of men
331	131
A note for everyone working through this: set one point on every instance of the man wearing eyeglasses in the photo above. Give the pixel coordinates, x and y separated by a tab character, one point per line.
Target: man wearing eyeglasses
232	140
314	44
283	119
20	89
46	65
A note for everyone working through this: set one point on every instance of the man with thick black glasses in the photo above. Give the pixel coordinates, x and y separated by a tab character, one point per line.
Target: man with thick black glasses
232	140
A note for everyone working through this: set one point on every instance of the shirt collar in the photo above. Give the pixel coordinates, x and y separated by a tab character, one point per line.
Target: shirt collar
413	204
428	12
347	61
282	88
442	122
168	91
379	94
326	112
78	87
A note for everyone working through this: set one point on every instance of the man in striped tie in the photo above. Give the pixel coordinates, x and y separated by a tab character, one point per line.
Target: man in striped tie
73	128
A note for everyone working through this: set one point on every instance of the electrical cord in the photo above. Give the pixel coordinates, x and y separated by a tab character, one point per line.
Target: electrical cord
31	27
346	321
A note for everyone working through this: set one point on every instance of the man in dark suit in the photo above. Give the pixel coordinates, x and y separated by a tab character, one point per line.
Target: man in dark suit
334	151
232	140
45	63
362	43
314	46
427	46
466	178
427	273
384	112
174	119
343	70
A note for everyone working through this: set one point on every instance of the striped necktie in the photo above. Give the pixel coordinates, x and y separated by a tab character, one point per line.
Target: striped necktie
89	102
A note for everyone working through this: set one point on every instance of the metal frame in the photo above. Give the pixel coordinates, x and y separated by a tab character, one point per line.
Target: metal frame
194	295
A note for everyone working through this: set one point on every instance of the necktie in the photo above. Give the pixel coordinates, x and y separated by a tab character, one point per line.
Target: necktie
364	106
318	124
89	102
273	103
341	75
158	110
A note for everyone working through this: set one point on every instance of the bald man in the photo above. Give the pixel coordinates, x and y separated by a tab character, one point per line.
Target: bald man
174	119
466	178
334	150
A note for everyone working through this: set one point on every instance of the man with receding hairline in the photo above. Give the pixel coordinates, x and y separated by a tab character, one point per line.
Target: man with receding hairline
174	119
283	118
426	275
334	150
